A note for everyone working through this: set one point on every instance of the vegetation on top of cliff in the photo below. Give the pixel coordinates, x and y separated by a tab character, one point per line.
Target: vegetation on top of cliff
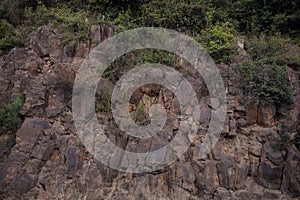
268	26
74	24
246	17
218	38
268	84
264	75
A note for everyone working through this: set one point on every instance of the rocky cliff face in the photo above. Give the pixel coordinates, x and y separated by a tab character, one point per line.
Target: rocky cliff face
49	161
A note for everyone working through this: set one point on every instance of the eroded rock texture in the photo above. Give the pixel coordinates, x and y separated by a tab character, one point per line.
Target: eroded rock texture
50	162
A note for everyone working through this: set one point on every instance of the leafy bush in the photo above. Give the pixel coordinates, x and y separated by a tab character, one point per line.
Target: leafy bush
8	37
217	40
267	83
156	56
267	49
76	22
35	17
265	77
185	16
9	115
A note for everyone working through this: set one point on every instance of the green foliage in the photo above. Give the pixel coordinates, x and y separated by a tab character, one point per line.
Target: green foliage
218	39
185	16
139	115
75	23
129	60
36	17
293	61
156	56
265	77
255	16
267	49
267	83
13	11
9	38
272	50
123	20
9	115
104	104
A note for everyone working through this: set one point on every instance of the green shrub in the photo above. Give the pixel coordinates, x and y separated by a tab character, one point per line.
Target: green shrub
217	39
156	56
138	57
104	104
74	24
265	77
139	114
9	115
184	16
35	17
9	38
266	83
267	49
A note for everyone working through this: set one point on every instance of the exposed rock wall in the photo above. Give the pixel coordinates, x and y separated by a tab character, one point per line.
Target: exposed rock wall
49	161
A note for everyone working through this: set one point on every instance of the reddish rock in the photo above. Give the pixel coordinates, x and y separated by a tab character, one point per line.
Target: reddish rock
252	112
12	176
266	115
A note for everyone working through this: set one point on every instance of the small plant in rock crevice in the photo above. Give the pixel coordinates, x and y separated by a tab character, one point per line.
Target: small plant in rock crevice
10	119
103	104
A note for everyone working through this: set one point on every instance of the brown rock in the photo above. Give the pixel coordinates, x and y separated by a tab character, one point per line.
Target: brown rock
266	115
272	194
26	138
46	41
255	148
22	183
56	102
35	98
29	133
269	175
226	171
244	194
254	163
274	156
73	160
100	33
210	179
291	174
185	172
222	194
251	111
270	171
